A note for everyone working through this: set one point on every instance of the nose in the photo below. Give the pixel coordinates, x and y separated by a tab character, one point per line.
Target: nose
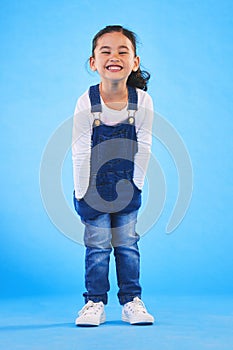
114	60
114	57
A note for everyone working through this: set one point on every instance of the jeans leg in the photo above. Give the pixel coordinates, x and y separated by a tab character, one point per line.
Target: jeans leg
124	229
128	270
127	257
96	275
97	238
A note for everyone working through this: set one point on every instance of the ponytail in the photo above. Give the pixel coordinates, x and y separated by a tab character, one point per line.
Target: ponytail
139	79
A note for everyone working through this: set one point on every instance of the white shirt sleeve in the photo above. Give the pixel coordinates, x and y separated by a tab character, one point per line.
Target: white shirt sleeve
81	146
144	138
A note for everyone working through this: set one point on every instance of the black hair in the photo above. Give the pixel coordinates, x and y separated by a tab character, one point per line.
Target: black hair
137	79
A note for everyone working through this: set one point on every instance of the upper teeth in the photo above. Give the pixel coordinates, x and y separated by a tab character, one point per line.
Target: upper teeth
113	67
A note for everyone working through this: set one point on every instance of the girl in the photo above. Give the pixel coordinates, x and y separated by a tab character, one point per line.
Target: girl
110	152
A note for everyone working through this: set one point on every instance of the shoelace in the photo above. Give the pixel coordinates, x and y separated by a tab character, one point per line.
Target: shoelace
138	305
90	307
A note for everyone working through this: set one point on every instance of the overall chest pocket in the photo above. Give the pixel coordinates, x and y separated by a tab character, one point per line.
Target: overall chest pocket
112	146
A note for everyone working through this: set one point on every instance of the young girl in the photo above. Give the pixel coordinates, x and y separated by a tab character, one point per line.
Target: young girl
110	152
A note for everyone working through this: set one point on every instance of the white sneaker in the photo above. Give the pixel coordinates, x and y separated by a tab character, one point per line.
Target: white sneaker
92	314
135	313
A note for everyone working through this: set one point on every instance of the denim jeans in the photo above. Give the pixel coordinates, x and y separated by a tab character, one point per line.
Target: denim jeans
102	234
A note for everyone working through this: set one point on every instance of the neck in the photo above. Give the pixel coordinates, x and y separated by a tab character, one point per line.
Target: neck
114	95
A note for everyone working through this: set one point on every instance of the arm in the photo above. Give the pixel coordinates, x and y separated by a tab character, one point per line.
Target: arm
144	138
81	148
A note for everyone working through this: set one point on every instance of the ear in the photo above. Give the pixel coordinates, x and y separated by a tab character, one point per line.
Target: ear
136	63
92	63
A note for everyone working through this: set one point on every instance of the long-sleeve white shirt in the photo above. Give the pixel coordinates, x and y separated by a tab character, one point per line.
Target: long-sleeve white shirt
82	132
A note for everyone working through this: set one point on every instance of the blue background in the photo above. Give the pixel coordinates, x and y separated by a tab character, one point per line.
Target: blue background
187	47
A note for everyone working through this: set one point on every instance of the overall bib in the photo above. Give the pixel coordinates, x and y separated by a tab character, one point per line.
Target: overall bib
111	203
111	187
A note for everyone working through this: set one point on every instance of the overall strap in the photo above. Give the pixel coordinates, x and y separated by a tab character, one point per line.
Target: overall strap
94	95
132	99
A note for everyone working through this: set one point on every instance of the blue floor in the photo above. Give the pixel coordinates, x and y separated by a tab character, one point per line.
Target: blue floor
184	323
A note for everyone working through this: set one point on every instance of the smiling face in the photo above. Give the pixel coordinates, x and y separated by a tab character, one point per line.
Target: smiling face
114	57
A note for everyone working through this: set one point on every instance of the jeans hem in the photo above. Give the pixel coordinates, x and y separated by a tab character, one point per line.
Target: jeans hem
127	298
96	298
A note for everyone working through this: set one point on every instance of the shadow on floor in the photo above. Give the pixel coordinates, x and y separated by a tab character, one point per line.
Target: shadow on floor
37	326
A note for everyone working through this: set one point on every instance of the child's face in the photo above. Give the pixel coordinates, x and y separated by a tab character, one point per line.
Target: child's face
114	57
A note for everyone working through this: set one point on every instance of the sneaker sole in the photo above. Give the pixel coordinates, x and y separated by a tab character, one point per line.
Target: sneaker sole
137	323
91	324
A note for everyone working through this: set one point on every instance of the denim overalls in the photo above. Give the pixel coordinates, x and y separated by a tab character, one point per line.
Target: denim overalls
111	187
109	208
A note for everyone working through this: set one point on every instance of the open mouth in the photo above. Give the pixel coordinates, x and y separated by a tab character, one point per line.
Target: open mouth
114	68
